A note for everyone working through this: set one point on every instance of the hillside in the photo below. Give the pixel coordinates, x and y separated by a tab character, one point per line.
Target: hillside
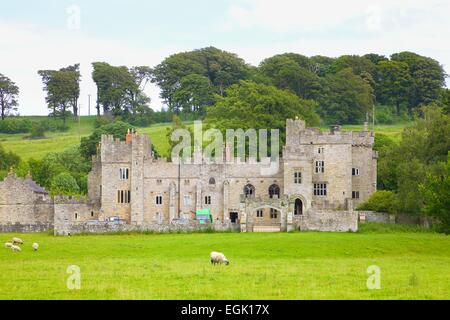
58	141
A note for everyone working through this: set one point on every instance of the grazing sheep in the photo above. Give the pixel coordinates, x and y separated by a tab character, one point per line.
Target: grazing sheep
35	246
16	248
218	258
17	241
8	245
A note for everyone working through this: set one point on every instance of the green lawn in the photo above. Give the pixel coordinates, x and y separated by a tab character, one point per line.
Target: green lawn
263	266
59	141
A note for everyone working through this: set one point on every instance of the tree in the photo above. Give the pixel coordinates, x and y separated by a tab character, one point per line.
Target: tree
428	78
287	73
422	152
359	65
394	83
381	201
88	145
375	58
8	96
120	91
63	90
64	184
251	105
345	98
436	191
8	159
193	95
221	68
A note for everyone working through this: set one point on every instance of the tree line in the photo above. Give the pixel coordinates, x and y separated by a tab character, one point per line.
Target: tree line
341	90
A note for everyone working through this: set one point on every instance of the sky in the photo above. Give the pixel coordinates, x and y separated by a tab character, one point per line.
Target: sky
51	34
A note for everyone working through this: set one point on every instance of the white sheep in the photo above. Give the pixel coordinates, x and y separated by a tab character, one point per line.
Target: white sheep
218	258
8	245
17	241
16	248
35	246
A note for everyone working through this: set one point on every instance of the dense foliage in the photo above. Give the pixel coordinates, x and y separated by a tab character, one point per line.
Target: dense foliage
88	145
251	105
416	169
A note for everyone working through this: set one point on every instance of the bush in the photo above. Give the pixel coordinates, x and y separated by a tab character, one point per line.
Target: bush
8	159
37	131
65	184
53	125
88	145
381	201
15	125
387	115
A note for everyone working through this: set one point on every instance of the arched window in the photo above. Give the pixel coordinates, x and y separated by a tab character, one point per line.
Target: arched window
249	191
274	191
212	181
298	208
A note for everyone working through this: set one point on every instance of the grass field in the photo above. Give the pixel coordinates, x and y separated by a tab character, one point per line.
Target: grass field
59	141
414	265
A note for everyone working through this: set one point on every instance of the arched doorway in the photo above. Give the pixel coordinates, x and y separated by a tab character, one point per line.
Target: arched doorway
274	191
298	207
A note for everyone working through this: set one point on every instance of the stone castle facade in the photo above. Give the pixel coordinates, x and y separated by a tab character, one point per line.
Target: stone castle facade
321	178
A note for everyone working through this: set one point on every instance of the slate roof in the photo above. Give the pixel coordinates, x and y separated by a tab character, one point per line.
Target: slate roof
35	187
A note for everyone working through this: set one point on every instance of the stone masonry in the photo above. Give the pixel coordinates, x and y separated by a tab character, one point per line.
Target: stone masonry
322	176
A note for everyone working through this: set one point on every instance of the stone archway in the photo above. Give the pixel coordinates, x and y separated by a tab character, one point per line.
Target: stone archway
264	214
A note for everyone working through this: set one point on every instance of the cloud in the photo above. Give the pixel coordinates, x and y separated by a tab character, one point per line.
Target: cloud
27	48
321	15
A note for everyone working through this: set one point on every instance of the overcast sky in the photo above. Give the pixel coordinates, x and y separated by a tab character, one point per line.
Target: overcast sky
50	34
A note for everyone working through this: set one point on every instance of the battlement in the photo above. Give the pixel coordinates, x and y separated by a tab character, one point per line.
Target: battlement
297	134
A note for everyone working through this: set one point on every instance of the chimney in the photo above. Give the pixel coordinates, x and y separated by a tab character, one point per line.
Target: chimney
227	153
129	136
335	128
366	126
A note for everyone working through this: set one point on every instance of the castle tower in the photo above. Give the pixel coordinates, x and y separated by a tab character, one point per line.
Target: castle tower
140	151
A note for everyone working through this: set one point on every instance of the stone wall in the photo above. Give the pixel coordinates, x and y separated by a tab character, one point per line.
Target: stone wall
327	220
372	216
24	206
111	227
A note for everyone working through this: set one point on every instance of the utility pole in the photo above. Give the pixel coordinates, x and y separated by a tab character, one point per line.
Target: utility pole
89	104
79	122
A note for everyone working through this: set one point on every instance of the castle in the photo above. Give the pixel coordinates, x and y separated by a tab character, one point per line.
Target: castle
321	178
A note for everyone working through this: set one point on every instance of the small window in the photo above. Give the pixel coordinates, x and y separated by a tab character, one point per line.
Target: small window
320	189
124	173
207	199
159	181
92	213
187	182
320	166
355	172
159	200
274	191
273	213
212	181
76	216
187	200
355	194
297	177
320	150
249	191
259	213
